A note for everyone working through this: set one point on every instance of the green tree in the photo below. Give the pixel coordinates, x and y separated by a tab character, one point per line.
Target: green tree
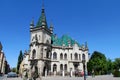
116	64
13	69
98	63
20	58
109	66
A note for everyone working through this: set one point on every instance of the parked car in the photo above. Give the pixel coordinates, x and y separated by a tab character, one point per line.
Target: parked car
12	74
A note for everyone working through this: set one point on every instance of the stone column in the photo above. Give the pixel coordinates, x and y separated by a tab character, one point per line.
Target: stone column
63	73
71	72
45	72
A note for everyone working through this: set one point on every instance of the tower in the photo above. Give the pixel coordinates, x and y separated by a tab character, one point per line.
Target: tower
40	44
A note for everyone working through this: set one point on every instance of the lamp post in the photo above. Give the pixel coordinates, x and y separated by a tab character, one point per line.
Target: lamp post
83	61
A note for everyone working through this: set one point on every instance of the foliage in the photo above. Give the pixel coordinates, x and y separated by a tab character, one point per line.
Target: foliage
116	73
116	64
13	69
98	63
20	58
109	66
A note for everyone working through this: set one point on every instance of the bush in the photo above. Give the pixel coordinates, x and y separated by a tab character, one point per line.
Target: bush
116	73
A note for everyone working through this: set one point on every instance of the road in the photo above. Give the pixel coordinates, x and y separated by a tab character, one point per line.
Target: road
104	77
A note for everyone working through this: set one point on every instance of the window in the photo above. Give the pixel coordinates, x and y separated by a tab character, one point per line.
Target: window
61	56
54	55
33	54
54	67
48	54
83	56
79	57
65	56
76	56
61	66
71	56
65	67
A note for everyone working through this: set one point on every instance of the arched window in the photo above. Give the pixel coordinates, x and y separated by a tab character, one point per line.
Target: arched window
54	55
61	56
76	56
61	66
54	67
83	56
65	56
71	56
33	54
48	54
65	67
79	57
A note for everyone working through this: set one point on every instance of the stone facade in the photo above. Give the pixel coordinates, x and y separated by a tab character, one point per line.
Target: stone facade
50	55
4	66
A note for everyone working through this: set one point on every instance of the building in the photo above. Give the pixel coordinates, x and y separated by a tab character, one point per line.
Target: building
4	66
24	64
50	55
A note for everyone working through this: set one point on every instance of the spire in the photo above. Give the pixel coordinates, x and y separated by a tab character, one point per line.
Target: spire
32	23
42	20
86	45
0	46
51	27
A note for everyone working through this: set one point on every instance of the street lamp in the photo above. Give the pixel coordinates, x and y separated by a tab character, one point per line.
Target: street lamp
83	61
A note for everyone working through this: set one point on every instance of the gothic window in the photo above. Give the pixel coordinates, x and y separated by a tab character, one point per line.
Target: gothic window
47	55
76	56
54	67
65	56
33	54
61	66
54	55
32	38
36	38
65	67
71	56
83	56
79	57
41	52
61	56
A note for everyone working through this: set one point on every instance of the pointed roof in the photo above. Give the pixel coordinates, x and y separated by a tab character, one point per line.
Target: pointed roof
42	20
0	46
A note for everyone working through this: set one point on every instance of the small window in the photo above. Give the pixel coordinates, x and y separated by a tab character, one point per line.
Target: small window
65	56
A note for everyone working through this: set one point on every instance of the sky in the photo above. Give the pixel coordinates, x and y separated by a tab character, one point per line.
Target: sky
94	21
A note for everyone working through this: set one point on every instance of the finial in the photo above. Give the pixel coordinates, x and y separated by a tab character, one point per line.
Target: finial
86	45
51	27
32	23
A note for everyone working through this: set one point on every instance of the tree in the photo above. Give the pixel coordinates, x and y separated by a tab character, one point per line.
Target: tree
109	66
116	64
13	69
20	58
98	63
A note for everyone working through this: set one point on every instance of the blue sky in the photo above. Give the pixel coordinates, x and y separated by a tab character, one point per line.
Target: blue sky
94	21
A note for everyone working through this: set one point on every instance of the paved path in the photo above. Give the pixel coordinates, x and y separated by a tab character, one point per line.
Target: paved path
104	77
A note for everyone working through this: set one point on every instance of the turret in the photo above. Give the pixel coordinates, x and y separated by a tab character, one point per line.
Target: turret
51	28
32	23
